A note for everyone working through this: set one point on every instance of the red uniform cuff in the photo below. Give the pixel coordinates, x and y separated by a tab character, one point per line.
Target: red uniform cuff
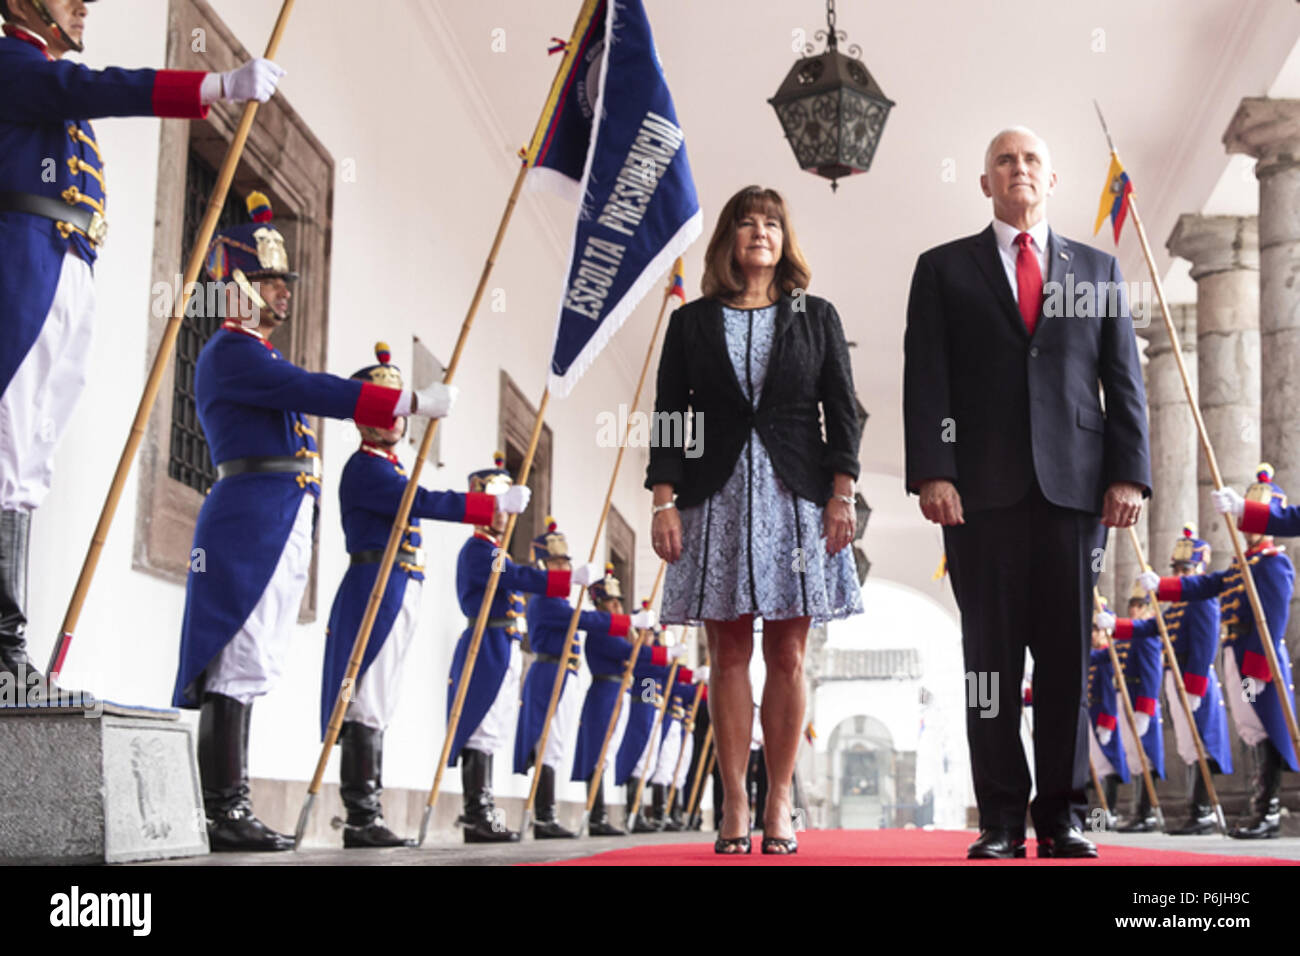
659	656
1254	520
1145	705
1123	628
1195	684
1170	589
1256	666
176	94
479	508
619	625
685	676
558	583
1106	721
375	406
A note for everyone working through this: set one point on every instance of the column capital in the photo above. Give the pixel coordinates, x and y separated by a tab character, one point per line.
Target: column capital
1269	130
1216	243
1183	315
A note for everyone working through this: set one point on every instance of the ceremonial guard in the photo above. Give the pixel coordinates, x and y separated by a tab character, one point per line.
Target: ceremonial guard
607	656
254	531
673	739
548	622
53	201
1108	758
1252	692
1194	632
370	495
1140	662
633	762
489	709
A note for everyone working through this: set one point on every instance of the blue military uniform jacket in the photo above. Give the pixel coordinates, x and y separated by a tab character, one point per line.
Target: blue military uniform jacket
1194	632
1103	708
473	569
1274	578
548	622
250	404
370	493
607	655
1141	662
48	148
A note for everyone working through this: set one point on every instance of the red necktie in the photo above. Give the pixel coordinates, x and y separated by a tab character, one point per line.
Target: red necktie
1029	282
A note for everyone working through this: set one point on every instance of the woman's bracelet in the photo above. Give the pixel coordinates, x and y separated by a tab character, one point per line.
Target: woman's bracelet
847	499
663	507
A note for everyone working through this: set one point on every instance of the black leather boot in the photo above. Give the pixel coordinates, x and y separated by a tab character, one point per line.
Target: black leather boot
1143	820
643	822
1266	809
599	824
1110	785
361	786
547	827
675	822
223	767
481	821
1200	812
657	818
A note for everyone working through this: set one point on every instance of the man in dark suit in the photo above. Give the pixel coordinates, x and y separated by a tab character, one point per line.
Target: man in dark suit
1009	334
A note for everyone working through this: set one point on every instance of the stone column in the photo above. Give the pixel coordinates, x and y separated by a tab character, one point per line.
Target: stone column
1224	253
1174	447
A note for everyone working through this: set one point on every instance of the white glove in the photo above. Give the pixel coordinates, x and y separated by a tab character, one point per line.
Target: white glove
436	400
1104	621
1227	501
514	499
676	652
1194	702
584	574
1149	581
1104	734
643	620
1251	688
702	674
1143	721
255	80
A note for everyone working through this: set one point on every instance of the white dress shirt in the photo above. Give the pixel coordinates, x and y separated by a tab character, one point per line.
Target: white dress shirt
1006	237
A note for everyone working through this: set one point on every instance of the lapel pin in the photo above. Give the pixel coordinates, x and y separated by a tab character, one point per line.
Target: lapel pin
1063	255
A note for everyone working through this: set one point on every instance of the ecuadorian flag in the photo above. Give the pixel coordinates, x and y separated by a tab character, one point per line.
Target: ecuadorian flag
679	280
1114	197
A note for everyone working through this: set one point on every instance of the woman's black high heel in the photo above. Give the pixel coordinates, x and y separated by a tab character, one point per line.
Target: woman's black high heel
723	845
777	846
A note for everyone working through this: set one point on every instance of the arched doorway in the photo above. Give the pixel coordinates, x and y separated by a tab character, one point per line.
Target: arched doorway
863	774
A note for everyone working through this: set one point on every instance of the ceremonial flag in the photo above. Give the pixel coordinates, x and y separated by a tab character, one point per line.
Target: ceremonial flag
609	138
679	280
1114	197
809	734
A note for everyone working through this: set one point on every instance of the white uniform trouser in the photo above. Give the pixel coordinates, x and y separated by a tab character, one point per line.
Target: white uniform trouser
250	665
38	402
1182	729
620	728
494	732
375	701
563	725
1131	746
645	763
1099	761
1249	727
668	751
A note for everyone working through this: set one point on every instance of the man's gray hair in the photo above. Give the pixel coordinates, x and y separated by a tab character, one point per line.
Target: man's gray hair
988	152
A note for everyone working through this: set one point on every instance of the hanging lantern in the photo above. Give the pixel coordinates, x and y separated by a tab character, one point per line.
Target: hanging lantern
831	109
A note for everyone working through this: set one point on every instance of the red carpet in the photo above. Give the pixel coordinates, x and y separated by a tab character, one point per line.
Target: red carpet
896	848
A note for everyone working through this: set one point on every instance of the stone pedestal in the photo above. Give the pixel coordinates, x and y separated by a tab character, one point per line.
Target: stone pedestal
1224	253
102	784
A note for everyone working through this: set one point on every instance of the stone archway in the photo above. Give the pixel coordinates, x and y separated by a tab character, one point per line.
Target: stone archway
862	774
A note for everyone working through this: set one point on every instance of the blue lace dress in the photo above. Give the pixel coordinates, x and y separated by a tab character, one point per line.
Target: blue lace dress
754	547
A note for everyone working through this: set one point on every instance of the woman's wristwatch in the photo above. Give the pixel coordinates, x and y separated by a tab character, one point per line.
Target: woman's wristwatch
663	507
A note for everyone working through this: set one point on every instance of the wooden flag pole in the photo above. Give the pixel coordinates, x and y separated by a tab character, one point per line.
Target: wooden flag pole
362	640
701	771
557	686
651	762
681	754
161	357
1132	721
480	624
1177	672
1261	622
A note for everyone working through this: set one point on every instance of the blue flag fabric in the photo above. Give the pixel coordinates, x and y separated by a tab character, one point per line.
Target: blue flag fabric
611	106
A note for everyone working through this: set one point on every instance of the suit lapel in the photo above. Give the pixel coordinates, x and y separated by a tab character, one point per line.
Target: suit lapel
989	261
1060	261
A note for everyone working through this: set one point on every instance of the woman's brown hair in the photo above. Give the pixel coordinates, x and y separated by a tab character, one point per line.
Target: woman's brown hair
722	279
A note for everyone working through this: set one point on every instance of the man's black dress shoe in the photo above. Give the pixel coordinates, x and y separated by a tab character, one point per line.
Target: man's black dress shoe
997	843
1066	842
